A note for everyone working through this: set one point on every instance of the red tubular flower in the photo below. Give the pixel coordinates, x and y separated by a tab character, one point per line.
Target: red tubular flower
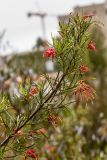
54	120
88	16
49	53
92	46
42	131
31	153
34	90
84	69
85	92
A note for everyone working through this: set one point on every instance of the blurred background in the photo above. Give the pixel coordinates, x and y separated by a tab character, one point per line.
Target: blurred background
21	32
26	29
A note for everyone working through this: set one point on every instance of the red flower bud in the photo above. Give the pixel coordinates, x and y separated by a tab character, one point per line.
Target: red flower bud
84	69
49	53
31	153
92	46
34	90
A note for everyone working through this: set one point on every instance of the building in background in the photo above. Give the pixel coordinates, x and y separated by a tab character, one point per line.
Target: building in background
100	11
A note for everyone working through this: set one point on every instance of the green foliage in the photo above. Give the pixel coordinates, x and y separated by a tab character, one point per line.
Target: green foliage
73	41
40	103
4	103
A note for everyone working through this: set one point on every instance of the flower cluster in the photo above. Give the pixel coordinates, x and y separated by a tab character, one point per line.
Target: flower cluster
49	53
85	92
54	120
84	69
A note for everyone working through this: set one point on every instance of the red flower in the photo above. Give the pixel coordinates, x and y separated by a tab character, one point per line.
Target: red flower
92	46
88	16
54	120
31	153
34	90
84	69
49	53
85	92
42	131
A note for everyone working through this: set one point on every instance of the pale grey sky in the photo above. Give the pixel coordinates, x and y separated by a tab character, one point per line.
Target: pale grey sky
21	31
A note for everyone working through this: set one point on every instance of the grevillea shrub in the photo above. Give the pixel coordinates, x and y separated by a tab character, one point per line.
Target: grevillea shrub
41	102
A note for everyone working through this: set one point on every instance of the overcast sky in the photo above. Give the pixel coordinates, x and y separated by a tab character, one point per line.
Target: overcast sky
22	32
